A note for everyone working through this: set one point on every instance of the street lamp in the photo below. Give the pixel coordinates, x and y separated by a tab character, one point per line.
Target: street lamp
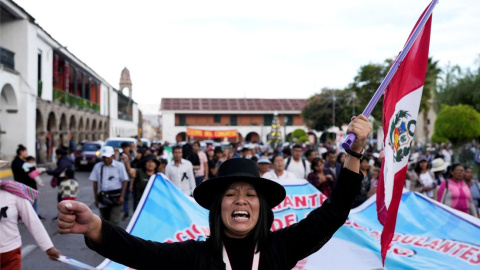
285	120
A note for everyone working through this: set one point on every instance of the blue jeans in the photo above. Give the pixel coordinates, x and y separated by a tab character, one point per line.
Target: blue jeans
199	179
125	200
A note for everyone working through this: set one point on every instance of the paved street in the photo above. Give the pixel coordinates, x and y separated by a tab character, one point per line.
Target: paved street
69	245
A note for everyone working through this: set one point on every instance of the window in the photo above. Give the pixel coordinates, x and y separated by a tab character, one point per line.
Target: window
216	118
267	119
182	120
233	120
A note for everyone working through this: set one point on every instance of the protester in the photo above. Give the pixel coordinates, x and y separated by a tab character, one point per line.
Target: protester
320	177
201	173
365	191
16	203
240	218
141	175
263	165
474	186
447	153
278	170
19	173
341	158
215	162
33	171
296	165
424	181
163	164
476	160
310	154
438	168
180	172
68	188
332	164
109	179
456	193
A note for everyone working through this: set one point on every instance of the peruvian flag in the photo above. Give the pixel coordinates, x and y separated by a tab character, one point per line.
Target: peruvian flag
400	110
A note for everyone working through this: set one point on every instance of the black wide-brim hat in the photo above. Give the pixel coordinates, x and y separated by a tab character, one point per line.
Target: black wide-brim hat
152	157
238	170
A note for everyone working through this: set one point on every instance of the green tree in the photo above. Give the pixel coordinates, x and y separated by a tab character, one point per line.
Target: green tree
429	88
459	87
458	124
366	83
329	108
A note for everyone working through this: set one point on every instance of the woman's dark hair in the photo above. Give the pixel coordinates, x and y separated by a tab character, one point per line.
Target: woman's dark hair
452	168
315	161
260	231
70	174
339	157
20	149
275	156
61	151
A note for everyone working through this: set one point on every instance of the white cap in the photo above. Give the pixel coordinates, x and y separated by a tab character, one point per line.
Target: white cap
107	151
264	160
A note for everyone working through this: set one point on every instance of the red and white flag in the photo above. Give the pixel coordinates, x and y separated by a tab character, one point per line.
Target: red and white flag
400	110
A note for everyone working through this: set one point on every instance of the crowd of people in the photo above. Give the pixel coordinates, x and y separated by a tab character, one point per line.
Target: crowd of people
121	177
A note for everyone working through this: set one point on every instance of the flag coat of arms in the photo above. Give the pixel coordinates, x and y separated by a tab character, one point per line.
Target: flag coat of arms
400	110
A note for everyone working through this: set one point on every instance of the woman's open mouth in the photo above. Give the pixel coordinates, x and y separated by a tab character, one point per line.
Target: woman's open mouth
240	215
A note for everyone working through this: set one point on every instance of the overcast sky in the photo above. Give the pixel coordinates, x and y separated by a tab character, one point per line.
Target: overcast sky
253	49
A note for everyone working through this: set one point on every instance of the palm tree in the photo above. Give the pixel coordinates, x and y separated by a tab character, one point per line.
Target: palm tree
429	88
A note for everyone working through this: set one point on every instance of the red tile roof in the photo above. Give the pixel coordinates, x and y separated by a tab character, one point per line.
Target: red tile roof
226	104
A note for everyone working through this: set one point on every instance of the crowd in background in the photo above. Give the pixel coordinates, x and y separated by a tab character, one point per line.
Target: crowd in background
431	172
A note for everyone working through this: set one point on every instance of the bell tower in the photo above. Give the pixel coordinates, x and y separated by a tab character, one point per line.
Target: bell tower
126	82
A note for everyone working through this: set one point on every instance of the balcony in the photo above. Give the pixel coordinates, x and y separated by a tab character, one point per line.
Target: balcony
72	100
7	58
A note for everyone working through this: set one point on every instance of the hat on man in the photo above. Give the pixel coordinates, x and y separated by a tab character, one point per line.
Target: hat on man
439	165
238	170
264	160
107	151
147	158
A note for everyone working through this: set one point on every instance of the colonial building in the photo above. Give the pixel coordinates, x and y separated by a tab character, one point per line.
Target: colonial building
49	97
240	120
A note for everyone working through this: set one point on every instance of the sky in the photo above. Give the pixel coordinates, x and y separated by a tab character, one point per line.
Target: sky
249	49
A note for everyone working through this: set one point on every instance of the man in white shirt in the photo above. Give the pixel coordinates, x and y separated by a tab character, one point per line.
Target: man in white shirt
447	154
279	171
180	172
109	176
201	173
296	165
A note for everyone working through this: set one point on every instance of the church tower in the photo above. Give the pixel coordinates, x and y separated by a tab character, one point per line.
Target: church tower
126	82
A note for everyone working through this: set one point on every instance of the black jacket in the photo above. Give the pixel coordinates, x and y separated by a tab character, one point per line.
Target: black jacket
20	175
283	250
63	164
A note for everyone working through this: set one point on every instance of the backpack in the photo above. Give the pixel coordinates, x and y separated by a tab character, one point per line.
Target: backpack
304	166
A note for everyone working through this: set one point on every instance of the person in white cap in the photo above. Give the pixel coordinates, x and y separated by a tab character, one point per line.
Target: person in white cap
263	165
109	185
438	168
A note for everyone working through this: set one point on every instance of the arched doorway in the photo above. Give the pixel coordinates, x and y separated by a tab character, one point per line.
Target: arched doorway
87	130
63	130
100	130
239	137
80	130
181	137
252	137
51	132
94	129
8	121
39	138
72	137
312	137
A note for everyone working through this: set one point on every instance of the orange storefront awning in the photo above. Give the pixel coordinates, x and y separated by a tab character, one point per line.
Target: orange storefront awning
211	133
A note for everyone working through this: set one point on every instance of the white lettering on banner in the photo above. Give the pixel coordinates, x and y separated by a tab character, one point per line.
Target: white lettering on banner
462	251
302	201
